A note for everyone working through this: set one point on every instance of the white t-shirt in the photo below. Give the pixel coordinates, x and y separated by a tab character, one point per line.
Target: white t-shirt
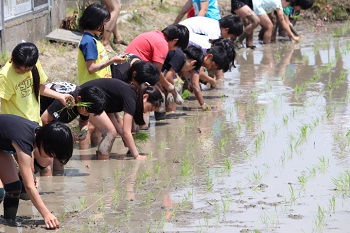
203	26
262	7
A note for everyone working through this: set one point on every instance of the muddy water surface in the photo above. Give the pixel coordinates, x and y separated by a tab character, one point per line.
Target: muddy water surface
271	156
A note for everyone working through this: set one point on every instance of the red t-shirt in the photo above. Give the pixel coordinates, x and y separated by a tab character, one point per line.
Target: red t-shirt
149	46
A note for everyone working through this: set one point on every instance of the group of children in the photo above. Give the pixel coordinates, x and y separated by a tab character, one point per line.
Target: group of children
140	81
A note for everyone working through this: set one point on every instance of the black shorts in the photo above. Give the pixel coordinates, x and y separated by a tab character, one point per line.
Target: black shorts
237	4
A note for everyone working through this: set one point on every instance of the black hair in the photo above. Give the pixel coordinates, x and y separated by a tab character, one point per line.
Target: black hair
177	31
233	23
145	72
56	140
154	97
223	54
195	53
27	54
95	96
304	4
93	17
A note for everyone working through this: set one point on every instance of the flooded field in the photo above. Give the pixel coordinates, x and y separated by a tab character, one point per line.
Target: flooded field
271	156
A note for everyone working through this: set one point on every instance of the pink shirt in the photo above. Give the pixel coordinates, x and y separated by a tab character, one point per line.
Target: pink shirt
149	46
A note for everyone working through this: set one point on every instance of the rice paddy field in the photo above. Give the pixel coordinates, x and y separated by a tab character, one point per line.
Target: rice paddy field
271	156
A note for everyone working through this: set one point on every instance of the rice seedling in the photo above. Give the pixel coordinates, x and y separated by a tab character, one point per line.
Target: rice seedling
217	212
115	197
101	207
259	140
223	141
342	183
303	180
157	168
225	205
209	182
185	94
319	220
228	164
267	220
186	168
312	171
292	198
162	145
323	164
82	203
285	119
140	137
332	204
149	197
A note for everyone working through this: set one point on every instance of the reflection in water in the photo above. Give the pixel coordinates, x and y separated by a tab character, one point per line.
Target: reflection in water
264	158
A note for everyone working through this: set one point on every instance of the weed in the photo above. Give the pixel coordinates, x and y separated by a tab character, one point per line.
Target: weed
137	17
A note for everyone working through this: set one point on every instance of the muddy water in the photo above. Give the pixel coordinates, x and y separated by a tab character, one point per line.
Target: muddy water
271	156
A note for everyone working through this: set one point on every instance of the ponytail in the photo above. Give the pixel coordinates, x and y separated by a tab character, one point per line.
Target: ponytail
36	82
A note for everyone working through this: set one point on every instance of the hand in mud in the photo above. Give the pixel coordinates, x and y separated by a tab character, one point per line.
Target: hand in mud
140	157
295	38
51	221
205	107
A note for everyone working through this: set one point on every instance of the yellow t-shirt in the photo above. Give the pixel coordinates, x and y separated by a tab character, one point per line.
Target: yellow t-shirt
17	92
83	74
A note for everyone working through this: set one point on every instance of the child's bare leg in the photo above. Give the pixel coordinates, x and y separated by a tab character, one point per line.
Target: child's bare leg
85	144
266	23
11	183
109	133
58	168
2	192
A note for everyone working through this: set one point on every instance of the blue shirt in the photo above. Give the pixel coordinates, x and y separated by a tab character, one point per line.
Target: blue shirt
213	8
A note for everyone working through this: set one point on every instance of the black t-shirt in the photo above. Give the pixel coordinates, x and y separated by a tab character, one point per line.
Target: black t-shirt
18	130
56	108
120	96
175	59
121	71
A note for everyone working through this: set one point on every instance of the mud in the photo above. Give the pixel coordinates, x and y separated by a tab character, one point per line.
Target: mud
271	156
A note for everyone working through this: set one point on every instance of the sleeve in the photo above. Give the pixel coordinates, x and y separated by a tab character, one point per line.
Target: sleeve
278	4
177	61
25	145
160	51
89	49
56	109
129	101
42	74
6	91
